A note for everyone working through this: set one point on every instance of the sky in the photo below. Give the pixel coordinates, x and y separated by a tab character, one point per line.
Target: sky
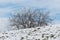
7	6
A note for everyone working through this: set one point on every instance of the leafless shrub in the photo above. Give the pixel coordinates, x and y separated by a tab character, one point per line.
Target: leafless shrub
30	18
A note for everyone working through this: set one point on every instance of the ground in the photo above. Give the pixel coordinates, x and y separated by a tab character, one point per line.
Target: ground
38	33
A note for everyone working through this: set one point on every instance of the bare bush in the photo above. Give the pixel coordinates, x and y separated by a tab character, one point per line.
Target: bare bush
30	18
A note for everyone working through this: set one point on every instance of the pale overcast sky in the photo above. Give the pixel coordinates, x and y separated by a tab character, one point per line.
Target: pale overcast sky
7	6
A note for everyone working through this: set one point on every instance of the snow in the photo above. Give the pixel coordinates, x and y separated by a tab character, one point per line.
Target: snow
38	33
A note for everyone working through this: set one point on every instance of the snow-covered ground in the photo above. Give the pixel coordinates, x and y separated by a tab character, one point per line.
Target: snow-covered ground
38	33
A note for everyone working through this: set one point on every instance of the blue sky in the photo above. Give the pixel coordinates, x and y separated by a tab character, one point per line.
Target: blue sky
7	6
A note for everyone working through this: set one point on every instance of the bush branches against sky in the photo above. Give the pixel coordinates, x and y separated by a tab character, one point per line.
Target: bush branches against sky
7	6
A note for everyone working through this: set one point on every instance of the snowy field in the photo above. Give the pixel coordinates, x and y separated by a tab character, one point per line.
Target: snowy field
38	33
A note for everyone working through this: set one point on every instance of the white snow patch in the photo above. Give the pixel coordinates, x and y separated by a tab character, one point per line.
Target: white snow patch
38	33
